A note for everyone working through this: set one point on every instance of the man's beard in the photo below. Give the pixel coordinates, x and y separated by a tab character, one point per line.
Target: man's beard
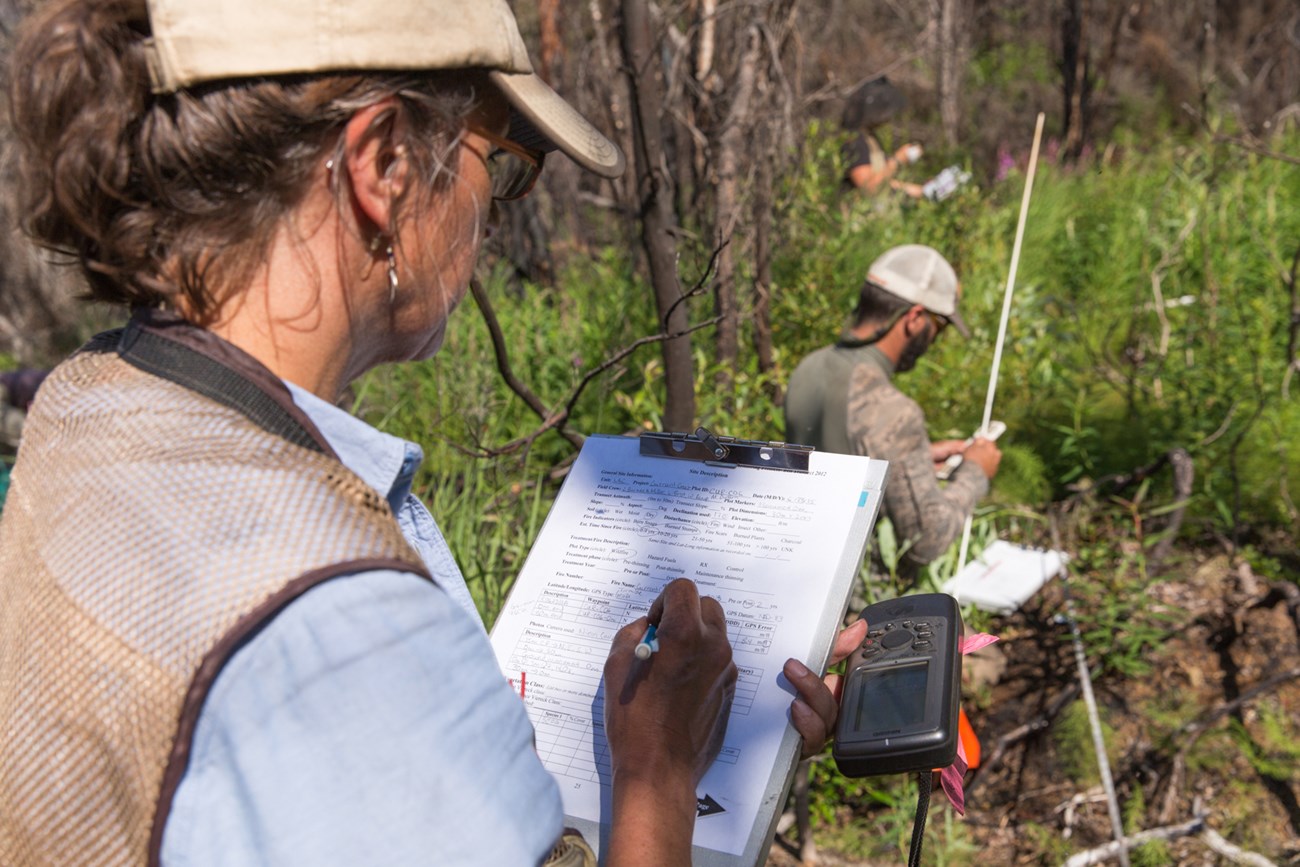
913	350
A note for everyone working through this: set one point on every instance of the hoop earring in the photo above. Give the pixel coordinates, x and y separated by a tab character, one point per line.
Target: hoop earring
392	274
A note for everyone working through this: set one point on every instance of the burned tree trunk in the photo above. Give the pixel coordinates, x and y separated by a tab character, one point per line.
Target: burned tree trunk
1076	76
730	144
655	202
951	48
552	45
762	209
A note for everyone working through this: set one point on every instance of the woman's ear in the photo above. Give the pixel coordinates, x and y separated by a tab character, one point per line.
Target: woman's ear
376	165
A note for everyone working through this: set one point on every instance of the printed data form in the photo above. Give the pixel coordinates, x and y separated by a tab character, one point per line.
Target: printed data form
765	543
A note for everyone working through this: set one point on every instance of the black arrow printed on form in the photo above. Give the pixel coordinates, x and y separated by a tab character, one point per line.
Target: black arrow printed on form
706	806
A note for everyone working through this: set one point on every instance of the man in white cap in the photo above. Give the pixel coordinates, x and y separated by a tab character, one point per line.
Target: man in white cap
842	399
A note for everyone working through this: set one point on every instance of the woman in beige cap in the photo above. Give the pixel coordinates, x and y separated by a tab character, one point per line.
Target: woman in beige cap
229	634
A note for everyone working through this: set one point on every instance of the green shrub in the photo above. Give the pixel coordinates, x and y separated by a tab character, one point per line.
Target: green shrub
1075	753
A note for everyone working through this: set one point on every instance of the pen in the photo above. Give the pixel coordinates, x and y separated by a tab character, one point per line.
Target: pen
649	644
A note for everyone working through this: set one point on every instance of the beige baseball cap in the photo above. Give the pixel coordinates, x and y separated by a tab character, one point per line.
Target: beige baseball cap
920	274
197	41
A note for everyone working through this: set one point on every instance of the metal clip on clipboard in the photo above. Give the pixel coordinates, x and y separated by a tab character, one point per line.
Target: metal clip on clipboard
726	451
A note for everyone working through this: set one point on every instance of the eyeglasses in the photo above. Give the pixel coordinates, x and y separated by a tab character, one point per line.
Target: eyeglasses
512	168
940	321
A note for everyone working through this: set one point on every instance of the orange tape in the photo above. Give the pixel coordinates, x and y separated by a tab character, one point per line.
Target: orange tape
970	743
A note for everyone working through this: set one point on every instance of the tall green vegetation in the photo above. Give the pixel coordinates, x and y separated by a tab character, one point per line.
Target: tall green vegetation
1099	376
1151	312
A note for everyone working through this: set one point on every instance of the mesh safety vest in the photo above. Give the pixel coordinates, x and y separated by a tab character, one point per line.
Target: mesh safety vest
168	500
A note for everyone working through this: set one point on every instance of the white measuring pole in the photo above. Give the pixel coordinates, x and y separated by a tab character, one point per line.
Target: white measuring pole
1006	313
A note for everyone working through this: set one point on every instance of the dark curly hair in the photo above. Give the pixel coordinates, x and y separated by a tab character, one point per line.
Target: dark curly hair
178	196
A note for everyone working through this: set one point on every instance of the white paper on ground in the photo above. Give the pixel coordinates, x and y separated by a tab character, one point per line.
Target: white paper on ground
1004	576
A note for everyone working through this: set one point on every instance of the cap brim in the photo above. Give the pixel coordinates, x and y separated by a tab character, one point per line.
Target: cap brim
959	324
560	123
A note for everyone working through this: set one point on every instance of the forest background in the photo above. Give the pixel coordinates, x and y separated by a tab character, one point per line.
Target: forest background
1147	385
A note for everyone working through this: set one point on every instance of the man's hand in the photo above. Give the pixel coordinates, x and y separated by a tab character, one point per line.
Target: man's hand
943	449
984	454
817	706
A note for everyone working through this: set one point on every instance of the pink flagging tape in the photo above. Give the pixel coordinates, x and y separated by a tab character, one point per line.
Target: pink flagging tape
953	777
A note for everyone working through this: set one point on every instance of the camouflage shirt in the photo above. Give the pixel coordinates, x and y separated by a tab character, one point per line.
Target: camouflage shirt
842	399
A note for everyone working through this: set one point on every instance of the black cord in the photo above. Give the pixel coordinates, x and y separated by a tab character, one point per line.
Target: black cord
924	781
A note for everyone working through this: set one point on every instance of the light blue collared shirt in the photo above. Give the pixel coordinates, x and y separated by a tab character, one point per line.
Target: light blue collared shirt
368	722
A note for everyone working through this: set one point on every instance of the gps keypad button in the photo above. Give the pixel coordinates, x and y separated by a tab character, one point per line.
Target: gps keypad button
895	639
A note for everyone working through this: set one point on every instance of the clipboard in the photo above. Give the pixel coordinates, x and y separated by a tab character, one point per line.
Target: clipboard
775	531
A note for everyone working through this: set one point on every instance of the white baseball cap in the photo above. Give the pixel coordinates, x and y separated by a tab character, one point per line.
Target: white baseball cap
920	274
197	41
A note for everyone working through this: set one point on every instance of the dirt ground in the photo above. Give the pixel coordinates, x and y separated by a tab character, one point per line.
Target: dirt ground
1204	734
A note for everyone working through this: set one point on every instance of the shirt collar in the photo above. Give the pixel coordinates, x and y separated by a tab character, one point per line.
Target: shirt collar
869	352
883	360
383	461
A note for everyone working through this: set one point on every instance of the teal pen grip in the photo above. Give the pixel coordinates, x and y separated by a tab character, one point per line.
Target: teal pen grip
649	644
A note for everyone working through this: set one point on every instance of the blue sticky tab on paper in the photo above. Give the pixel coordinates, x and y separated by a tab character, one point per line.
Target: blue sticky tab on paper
862	500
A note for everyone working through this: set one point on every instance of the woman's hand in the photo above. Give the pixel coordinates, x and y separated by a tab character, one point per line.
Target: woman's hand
909	153
817	706
665	718
914	191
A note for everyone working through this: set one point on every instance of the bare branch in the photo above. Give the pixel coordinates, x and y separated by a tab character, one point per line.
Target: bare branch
554	419
1237	855
1222	429
1157	276
708	36
699	284
1102	854
507	373
1183	471
1198	726
832	90
559	417
1020	733
1193	730
1257	149
1293	326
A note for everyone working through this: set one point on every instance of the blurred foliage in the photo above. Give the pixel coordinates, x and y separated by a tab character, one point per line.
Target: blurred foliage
1150	313
1151	854
1097	378
1075	753
1273	748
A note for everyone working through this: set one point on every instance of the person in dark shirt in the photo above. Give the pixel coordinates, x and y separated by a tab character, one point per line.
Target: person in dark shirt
869	166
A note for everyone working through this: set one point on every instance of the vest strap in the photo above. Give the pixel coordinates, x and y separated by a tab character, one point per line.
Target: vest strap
187	367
